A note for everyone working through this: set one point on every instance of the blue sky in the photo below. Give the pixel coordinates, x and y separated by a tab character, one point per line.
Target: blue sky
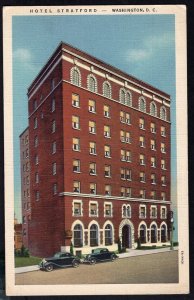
143	46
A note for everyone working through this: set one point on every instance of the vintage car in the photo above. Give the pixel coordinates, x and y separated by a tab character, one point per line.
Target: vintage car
99	255
59	260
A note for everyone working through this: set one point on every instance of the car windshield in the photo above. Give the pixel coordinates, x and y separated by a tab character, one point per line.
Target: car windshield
98	250
57	255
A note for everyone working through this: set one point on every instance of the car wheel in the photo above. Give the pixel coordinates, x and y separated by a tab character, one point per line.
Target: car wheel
75	264
113	257
49	268
92	261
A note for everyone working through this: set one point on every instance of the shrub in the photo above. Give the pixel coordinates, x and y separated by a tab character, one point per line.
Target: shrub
71	248
119	245
138	243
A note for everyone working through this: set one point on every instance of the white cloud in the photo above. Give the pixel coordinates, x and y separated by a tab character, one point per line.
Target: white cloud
24	56
149	47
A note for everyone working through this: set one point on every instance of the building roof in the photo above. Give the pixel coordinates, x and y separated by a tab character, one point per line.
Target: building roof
84	55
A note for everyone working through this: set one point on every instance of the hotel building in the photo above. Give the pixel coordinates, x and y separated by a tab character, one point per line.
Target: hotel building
99	155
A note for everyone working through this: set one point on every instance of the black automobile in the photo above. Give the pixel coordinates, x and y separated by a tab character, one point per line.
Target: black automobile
99	255
59	260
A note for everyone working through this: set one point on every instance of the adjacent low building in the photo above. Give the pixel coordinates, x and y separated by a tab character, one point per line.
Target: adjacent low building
99	156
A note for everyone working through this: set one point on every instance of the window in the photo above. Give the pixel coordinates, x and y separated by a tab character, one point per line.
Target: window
75	122
128	137
92	83
77	208
107	190
153	127
92	168
78	236
36	141
142	194
27	180
122	155
141	123
37	195
27	153
142	234
153	144
76	165
142	211
163	131
128	174
107	111
36	177
107	89
107	210
27	166
92	148
92	106
76	144
163	148
54	147
122	191
54	168
142	141
35	104
53	126
127	118
107	151
128	99
122	135
36	159
125	136
142	104
76	186
163	164
128	192
52	84
163	233
153	162
163	214
122	172
54	188
142	159
163	113
106	131
122	116
126	211
142	176
93	209
75	100
53	105
128	156
153	109
163	180
153	178
153	212
93	235
163	196
35	123
92	127
107	172
26	139
122	96
153	194
108	235
92	188
75	76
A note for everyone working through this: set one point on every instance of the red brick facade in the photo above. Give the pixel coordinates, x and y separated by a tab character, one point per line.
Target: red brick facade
82	110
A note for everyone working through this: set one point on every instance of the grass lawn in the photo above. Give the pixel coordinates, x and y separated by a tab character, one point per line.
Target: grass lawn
26	261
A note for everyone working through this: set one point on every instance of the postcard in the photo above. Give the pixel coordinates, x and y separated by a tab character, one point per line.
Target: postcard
96	175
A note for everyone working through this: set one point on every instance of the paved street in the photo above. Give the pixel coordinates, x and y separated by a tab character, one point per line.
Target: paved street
152	268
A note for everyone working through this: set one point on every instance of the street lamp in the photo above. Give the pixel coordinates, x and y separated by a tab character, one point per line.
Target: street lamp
171	226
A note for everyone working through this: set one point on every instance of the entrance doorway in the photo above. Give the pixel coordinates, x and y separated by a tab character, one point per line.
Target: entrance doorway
126	236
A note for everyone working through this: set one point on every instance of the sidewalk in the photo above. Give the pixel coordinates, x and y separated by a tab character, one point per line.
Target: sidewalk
131	253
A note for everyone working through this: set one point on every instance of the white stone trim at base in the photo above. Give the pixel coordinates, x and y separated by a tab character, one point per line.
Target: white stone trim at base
87	249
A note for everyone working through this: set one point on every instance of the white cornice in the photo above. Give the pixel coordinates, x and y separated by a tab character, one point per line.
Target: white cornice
113	198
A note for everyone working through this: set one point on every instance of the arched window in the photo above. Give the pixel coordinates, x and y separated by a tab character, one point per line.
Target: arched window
153	234
153	109
142	233
163	113
128	211
128	99
124	211
75	76
93	235
122	96
92	83
108	235
107	89
163	233
78	236
142	104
